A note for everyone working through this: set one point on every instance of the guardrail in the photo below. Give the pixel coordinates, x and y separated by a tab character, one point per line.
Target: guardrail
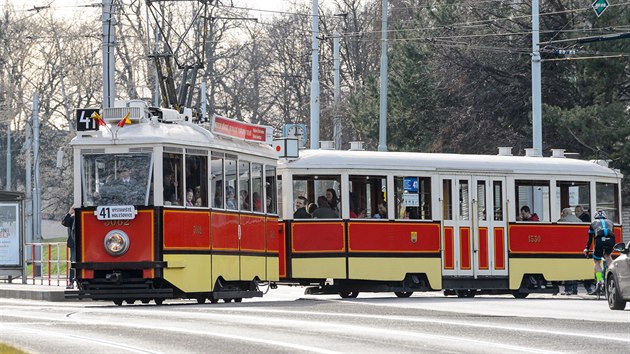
48	263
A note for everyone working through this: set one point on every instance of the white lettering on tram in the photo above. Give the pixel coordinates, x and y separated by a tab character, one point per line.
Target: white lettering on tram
118	212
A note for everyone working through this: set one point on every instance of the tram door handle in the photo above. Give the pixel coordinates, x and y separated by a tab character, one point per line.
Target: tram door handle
239	231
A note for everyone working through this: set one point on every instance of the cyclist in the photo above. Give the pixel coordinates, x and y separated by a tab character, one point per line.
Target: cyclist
602	232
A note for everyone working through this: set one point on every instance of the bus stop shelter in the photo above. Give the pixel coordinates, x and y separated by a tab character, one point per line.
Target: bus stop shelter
11	235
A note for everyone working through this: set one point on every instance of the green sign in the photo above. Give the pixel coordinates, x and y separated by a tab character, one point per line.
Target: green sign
599	6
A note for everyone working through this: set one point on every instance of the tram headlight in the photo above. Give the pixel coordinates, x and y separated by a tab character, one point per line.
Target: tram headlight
116	242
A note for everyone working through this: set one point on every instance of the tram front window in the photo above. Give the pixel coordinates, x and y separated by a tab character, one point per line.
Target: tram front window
116	179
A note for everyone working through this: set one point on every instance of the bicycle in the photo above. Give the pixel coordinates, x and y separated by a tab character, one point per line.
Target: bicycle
599	290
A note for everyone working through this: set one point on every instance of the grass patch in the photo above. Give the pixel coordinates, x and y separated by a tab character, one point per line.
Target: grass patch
7	349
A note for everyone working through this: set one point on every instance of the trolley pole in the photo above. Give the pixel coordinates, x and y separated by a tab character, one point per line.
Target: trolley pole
536	83
109	44
382	131
315	80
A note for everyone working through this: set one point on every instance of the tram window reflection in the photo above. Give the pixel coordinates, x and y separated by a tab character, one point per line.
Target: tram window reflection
571	194
271	190
413	197
196	179
535	195
244	195
607	199
366	193
257	187
231	203
497	197
216	180
173	173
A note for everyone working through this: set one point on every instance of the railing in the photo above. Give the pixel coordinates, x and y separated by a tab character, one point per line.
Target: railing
48	263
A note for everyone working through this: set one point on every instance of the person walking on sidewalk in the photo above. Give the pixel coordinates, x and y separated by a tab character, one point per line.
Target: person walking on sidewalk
68	222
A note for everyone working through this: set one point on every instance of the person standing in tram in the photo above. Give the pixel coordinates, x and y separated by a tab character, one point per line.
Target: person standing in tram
526	214
300	208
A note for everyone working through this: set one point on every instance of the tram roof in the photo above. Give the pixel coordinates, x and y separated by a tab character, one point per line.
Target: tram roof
183	134
414	161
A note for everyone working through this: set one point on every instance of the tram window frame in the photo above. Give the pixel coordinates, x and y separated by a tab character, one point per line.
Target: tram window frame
317	185
542	207
447	199
564	197
244	186
423	199
231	182
366	193
497	198
217	177
603	201
482	203
197	179
273	187
257	187
176	170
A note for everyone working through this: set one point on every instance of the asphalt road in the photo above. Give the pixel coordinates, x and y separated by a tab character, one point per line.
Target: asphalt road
287	321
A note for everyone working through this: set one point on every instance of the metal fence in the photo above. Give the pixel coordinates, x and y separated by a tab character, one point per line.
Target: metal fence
47	263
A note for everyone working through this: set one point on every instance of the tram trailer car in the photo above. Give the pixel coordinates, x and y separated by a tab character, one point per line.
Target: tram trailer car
168	209
447	221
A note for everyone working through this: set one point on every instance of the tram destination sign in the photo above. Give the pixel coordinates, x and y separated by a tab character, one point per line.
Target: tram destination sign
599	6
115	212
241	130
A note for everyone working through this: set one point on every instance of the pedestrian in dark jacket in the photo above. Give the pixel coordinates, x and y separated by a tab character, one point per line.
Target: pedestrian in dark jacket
68	222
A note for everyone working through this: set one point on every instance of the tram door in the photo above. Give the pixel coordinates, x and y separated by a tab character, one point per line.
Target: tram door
474	226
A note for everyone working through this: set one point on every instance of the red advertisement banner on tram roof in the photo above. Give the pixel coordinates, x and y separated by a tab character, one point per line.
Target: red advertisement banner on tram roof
246	131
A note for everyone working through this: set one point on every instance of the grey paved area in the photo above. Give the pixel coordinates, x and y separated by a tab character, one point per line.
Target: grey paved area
17	290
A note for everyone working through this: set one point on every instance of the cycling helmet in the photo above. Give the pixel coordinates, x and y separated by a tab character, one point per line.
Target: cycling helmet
600	214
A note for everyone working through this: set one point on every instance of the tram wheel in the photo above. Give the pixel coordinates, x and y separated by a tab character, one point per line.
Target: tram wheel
227	300
519	295
201	300
158	301
214	301
348	294
238	299
466	293
403	293
145	301
118	302
130	301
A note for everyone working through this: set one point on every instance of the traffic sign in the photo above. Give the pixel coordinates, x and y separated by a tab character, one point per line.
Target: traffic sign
599	6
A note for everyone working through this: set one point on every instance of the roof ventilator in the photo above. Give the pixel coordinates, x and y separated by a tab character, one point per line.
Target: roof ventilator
356	146
558	153
505	151
327	145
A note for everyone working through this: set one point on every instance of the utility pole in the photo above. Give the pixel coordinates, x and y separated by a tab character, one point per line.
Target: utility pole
315	80
37	196
382	131
336	82
536	83
109	44
8	182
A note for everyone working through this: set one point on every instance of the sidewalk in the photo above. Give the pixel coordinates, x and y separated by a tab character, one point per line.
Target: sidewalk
17	290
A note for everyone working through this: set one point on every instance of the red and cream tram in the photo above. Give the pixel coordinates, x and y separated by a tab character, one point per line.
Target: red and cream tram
171	209
406	222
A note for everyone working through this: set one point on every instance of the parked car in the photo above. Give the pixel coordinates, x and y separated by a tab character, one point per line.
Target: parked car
618	279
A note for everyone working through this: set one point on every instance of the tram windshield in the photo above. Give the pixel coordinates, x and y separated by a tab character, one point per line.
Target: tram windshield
117	179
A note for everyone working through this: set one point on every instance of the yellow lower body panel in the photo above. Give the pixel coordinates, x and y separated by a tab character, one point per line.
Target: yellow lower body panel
553	269
395	269
252	267
188	272
273	268
319	268
226	267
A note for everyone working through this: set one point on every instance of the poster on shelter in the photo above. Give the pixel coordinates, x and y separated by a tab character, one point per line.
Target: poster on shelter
9	234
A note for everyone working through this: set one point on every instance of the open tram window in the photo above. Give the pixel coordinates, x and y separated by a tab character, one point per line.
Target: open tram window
413	197
231	203
244	193
257	187
116	179
574	194
607	199
196	178
368	196
271	190
321	191
217	180
532	195
173	181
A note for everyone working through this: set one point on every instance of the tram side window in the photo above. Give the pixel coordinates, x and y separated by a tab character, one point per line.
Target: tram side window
257	187
244	195
173	172
321	191
216	180
231	203
574	194
497	197
413	197
532	195
368	197
447	202
271	191
196	180
607	199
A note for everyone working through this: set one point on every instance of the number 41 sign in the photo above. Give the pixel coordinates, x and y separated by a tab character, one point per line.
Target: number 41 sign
83	120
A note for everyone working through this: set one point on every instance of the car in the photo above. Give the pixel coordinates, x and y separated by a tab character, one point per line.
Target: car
618	278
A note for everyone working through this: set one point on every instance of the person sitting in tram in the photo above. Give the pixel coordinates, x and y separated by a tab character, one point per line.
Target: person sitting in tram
257	201
189	197
230	198
382	211
323	210
526	214
300	208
